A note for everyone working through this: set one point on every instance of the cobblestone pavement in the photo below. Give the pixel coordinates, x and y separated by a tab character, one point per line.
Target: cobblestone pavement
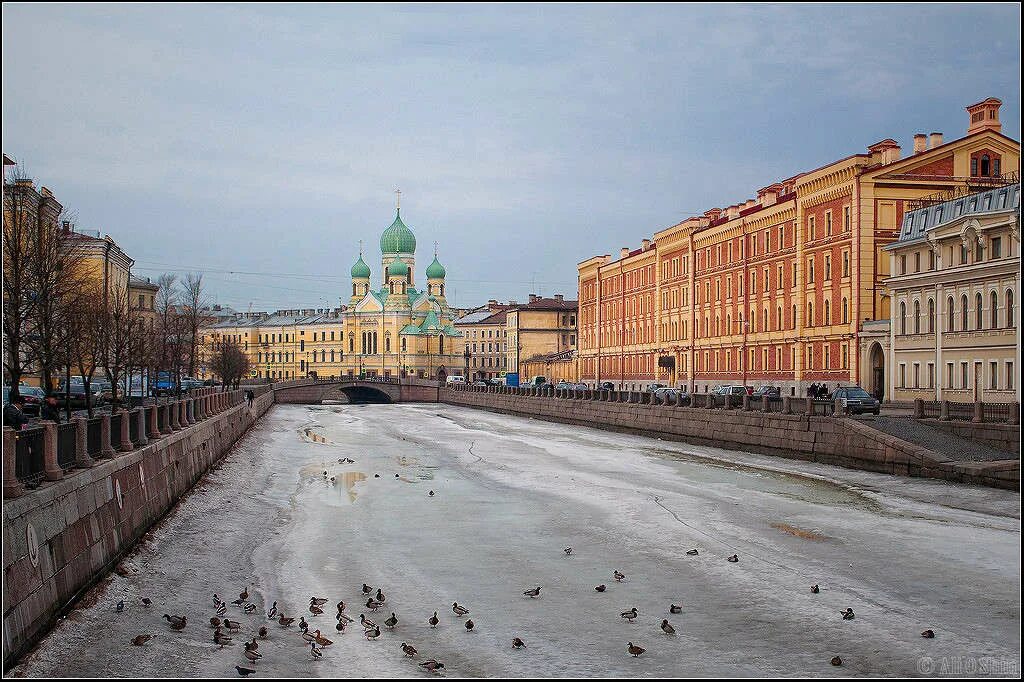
948	444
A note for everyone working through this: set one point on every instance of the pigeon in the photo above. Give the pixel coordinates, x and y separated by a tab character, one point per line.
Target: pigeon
668	629
139	640
600	588
619	576
147	602
629	615
517	643
232	624
535	592
244	672
928	634
635	650
408	649
238	602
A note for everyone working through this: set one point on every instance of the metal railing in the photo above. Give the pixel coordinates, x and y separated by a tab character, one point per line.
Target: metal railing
94	437
67	436
133	427
29	456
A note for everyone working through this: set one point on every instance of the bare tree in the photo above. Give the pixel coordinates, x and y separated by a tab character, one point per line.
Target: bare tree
21	221
119	338
86	336
230	363
192	303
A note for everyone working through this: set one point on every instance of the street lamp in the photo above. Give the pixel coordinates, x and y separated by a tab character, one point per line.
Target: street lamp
465	354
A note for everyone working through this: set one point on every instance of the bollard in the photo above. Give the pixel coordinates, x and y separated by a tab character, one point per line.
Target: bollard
82	458
838	410
106	449
166	428
787	405
51	469
918	408
172	412
1014	414
944	410
746	403
12	486
979	412
140	414
125	436
152	418
766	405
809	406
190	411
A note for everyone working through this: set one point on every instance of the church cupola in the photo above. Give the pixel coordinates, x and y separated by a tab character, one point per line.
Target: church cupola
435	278
398	241
360	278
397	276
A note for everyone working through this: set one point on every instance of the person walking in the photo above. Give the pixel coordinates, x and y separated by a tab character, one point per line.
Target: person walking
14	414
49	410
250	396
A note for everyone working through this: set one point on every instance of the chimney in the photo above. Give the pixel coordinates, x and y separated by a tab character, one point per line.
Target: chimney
645	244
934	140
984	116
713	214
533	297
558	297
750	204
623	252
733	212
920	143
885	152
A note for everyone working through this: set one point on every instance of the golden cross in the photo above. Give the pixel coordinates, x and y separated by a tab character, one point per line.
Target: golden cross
360	248
398	198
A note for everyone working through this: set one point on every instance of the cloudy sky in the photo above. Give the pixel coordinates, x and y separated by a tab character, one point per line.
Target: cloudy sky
260	143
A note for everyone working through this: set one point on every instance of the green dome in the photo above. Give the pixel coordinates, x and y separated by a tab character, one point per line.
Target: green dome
360	270
398	268
398	238
435	270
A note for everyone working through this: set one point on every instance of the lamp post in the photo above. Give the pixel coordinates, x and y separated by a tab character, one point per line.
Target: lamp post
465	354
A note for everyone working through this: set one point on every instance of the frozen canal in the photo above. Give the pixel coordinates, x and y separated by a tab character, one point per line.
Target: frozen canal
906	555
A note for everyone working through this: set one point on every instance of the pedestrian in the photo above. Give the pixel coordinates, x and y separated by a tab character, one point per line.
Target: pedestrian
250	397
812	390
14	414
49	410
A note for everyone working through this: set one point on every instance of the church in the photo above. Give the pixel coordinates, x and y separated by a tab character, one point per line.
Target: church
398	329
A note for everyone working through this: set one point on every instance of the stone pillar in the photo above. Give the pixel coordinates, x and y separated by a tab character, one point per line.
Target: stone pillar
12	486
746	403
1014	413
51	468
106	449
787	405
82	458
837	408
126	439
182	414
766	404
190	411
141	416
809	405
918	408
944	411
172	413
979	412
154	424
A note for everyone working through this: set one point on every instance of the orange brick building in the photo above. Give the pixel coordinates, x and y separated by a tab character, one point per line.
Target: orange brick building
782	289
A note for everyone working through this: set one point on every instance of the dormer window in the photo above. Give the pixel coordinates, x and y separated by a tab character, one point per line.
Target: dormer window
985	166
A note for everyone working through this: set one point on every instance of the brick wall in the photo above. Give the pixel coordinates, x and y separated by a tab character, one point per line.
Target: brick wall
61	538
839	441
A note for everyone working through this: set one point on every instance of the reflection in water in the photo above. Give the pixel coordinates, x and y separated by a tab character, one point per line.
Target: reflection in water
312	435
349	480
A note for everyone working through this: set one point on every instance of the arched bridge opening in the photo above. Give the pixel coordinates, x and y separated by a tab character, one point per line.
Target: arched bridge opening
362	395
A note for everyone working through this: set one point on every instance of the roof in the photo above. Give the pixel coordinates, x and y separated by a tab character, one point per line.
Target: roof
398	238
360	270
136	283
542	303
435	270
917	223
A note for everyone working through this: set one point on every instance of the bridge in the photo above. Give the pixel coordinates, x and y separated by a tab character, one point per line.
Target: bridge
356	390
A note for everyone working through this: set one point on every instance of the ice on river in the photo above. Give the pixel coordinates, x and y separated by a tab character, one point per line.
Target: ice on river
510	494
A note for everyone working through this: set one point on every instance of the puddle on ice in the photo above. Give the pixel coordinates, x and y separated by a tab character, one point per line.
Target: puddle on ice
313	436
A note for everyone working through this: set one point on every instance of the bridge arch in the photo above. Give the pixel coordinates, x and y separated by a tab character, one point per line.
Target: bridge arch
361	394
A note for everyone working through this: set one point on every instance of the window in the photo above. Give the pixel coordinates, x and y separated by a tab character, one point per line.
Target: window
846	263
828	313
978	312
949	375
963	312
931	259
810	313
931	375
846	311
1009	308
931	316
993	311
828	223
917	261
828	267
846	218
950	313
810	228
985	163
917	317
996	250
963	375
903	264
903	375
1010	376
993	375
903	317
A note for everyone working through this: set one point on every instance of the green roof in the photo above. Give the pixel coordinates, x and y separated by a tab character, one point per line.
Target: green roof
360	270
398	238
435	270
398	268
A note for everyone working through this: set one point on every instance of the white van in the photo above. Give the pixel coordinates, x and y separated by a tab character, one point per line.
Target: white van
456	379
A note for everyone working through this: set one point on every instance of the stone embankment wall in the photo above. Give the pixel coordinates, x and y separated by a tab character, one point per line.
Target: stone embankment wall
827	439
62	537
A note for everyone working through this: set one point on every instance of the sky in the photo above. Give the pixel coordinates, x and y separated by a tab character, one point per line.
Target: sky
260	143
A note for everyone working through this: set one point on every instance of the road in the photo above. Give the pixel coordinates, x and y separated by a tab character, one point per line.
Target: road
906	555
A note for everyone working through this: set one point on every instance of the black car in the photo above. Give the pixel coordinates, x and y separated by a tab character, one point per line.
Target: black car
856	400
607	386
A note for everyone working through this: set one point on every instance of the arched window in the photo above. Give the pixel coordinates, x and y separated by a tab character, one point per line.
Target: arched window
793	319
828	313
985	164
387	343
810	313
978	312
1009	308
440	345
351	342
994	312
917	317
931	316
963	312
950	315
903	317
403	344
846	311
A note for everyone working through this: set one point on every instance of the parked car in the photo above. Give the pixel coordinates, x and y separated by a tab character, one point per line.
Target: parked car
770	391
455	379
76	395
481	382
563	385
856	400
665	394
34	398
606	386
537	381
728	389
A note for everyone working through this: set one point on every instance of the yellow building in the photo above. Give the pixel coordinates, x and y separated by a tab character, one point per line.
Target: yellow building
486	339
541	327
954	333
